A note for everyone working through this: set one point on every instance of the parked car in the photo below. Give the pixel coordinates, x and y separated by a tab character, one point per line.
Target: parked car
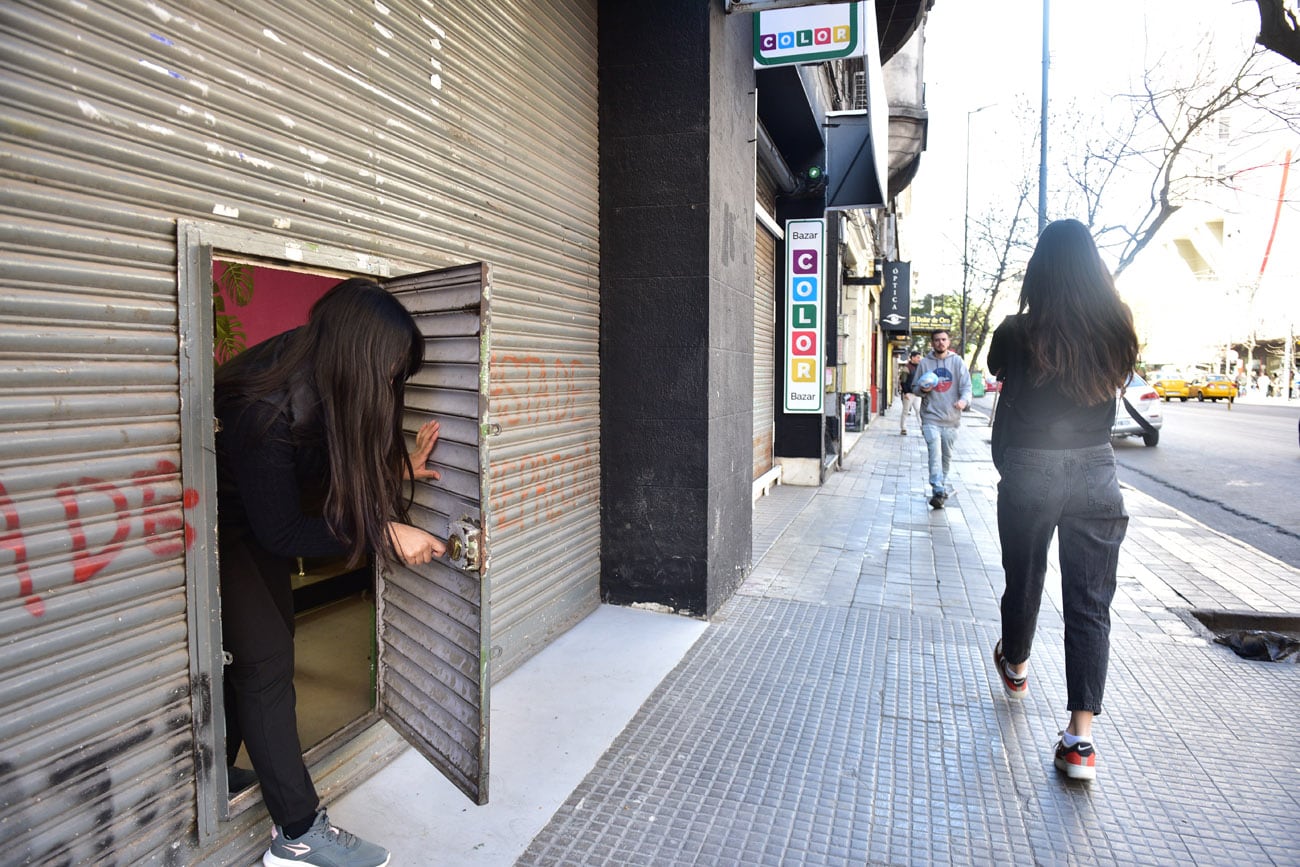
1146	400
1213	386
991	384
1170	383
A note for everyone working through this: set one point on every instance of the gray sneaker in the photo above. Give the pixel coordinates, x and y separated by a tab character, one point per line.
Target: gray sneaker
323	846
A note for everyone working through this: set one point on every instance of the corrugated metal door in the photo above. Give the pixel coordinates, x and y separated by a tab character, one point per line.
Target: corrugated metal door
433	620
95	732
764	345
428	135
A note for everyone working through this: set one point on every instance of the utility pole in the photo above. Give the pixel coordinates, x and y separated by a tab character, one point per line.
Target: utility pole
1042	128
965	235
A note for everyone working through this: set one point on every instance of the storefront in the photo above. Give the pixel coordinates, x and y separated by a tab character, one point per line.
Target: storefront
606	400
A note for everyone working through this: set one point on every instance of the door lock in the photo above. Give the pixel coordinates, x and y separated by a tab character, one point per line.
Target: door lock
463	544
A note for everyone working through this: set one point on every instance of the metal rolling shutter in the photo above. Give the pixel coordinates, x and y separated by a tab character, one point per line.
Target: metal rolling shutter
429	135
764	332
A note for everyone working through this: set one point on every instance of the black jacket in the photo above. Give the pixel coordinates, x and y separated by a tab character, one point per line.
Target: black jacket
272	462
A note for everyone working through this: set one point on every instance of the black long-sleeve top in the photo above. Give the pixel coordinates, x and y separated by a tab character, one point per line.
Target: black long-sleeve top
1038	416
273	466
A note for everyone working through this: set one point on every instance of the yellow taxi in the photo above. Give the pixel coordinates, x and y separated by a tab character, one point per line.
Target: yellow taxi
1212	386
1169	384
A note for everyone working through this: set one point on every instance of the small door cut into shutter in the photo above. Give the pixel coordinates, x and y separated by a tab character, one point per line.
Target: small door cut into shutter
433	619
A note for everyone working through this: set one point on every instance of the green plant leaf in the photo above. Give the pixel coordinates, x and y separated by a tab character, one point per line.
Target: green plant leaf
237	282
228	338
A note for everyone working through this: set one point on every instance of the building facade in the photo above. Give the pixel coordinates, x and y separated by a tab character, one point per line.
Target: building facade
562	194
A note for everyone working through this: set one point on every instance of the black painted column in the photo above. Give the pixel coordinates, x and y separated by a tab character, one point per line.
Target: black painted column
676	295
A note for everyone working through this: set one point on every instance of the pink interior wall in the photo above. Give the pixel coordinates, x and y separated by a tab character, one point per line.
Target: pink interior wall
281	300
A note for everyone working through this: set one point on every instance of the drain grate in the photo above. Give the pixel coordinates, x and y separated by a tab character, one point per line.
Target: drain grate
1253	635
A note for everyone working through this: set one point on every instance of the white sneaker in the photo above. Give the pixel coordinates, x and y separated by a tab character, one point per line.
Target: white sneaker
323	846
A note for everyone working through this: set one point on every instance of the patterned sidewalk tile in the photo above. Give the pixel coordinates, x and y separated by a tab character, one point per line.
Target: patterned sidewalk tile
841	708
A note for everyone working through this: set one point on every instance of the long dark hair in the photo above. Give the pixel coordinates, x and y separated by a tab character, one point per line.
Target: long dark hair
351	360
1078	331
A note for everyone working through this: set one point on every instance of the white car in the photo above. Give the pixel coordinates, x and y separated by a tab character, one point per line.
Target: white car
1145	400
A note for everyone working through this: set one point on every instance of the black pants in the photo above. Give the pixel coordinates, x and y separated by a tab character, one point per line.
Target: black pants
261	713
1075	494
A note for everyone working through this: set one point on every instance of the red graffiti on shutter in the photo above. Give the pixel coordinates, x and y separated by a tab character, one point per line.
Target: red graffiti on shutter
12	540
159	521
86	563
164	520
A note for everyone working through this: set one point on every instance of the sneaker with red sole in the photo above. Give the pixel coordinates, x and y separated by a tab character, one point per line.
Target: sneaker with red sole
1016	687
1078	762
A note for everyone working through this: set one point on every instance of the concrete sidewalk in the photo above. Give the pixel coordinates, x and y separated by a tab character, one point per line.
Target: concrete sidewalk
841	710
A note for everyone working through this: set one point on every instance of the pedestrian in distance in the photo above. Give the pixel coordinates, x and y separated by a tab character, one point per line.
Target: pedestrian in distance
906	398
944	396
1061	360
311	462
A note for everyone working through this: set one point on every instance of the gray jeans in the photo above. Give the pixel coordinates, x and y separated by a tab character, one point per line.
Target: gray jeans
939	443
1074	493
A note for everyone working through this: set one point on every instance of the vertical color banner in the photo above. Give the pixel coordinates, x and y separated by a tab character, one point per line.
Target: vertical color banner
805	285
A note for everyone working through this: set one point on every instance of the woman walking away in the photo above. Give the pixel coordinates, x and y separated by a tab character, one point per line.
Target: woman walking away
1061	360
310	463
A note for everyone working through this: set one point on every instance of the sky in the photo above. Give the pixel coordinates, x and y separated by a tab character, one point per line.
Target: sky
990	54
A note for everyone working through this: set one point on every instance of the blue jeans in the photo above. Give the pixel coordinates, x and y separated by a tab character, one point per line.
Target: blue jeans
1073	493
939	442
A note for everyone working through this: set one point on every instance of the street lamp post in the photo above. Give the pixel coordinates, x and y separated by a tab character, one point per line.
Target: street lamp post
965	235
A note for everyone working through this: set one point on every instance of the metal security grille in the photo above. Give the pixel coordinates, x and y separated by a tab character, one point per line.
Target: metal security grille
425	135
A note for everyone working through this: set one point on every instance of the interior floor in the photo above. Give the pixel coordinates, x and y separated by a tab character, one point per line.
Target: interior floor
332	666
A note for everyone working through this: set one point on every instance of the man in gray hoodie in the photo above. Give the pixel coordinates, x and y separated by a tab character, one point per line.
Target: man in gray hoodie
941	408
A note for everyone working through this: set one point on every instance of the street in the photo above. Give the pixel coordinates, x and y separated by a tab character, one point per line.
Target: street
1232	470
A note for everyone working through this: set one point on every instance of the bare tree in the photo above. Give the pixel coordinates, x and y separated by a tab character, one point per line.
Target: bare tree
1004	231
1278	30
1158	142
1004	240
1134	164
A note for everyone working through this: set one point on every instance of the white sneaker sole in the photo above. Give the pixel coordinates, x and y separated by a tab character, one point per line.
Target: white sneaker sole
269	860
1076	772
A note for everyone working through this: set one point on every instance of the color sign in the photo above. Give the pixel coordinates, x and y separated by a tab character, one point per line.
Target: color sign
808	34
805	272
